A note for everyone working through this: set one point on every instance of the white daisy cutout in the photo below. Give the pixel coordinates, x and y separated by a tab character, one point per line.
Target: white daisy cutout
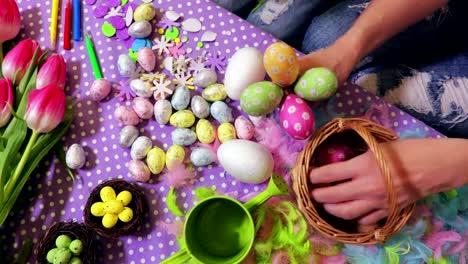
285	124
320	81
299	101
291	109
162	45
272	95
305	116
297	127
281	57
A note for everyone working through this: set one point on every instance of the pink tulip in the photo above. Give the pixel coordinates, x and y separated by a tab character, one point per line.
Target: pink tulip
19	58
10	21
53	71
46	108
6	97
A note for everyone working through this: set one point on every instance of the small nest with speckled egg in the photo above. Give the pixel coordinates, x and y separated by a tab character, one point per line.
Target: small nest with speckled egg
75	231
137	205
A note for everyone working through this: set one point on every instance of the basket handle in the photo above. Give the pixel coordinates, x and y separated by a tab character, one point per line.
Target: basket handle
363	131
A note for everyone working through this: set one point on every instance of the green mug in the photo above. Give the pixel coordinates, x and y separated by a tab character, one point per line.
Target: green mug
220	229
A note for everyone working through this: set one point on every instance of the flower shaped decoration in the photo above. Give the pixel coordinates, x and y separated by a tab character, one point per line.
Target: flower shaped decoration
125	92
113	208
216	62
184	79
180	64
162	88
176	50
197	65
162	45
150	76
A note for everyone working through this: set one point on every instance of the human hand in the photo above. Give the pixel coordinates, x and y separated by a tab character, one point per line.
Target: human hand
341	58
419	167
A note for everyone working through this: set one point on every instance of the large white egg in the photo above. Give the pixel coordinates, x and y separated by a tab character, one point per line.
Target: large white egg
245	160
244	68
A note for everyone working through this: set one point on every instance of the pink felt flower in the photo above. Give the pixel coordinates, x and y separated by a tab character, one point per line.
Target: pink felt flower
6	97
46	108
10	21
19	58
53	71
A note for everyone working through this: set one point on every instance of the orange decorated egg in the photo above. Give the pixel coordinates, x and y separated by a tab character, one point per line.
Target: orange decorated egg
281	64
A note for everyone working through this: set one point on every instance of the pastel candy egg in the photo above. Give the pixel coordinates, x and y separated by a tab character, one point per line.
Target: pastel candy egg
126	65
182	119
144	12
63	255
76	246
109	221
201	157
75	157
316	84
141	88
226	131
175	155
183	137
140	147
140	29
143	107
200	107
281	64
126	116
146	58
100	89
181	98
296	117
97	209
221	112
125	197
156	159
127	136
63	241
240	74
162	111
107	193
244	128
261	98
205	131
138	170
75	260
113	207
214	92
51	254
126	215
205	77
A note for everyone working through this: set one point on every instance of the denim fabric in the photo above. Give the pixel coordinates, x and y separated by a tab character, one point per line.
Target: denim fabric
424	69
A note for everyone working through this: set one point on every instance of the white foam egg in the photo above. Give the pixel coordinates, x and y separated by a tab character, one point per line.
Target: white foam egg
244	68
246	160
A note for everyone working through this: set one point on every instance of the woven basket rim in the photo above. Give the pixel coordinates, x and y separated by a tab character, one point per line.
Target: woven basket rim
371	133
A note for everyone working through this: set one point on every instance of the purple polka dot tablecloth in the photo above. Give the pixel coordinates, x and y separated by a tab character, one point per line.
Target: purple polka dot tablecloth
51	196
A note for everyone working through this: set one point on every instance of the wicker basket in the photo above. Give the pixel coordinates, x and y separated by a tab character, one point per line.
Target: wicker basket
75	230
372	134
138	205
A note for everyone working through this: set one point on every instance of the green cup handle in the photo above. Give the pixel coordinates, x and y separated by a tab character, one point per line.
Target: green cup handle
276	187
180	257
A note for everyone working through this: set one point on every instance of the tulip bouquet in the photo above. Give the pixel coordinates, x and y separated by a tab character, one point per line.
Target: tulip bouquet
33	107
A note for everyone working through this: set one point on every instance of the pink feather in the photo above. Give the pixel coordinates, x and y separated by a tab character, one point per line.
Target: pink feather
280	257
180	176
318	239
338	259
175	228
437	240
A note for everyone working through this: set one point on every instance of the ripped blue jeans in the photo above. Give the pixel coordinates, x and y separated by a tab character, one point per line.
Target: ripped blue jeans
424	69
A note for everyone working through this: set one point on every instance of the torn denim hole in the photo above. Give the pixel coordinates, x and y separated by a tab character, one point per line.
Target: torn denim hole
454	101
273	9
360	7
369	82
439	16
412	93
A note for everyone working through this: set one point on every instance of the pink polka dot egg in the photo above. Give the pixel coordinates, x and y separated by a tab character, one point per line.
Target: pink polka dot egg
296	117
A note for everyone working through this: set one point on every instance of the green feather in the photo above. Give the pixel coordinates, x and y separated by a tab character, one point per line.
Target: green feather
171	202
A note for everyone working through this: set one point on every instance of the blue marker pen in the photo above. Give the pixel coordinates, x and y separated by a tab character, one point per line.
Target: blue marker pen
76	20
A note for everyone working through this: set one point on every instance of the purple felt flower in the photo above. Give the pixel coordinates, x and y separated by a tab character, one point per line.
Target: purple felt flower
216	61
166	23
125	92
